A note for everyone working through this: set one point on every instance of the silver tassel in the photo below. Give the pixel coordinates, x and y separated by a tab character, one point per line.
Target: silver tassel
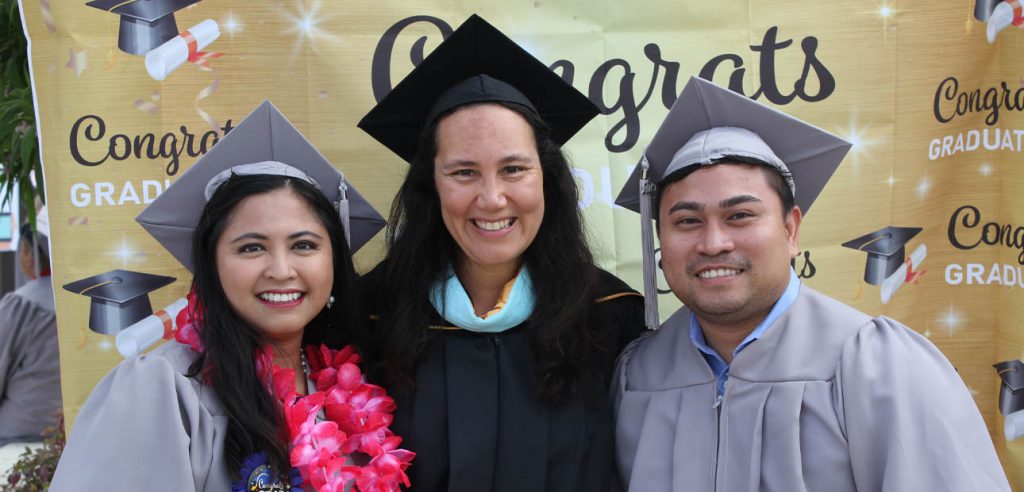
647	189
343	211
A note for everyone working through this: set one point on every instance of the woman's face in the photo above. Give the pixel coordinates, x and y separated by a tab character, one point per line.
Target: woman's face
491	186
275	264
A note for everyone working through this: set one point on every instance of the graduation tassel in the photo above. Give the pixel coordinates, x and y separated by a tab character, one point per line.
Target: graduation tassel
343	209
647	189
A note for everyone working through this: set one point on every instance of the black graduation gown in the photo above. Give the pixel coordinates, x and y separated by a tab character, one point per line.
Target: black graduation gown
476	425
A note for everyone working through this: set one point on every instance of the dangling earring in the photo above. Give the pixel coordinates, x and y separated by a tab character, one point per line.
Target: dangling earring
330	302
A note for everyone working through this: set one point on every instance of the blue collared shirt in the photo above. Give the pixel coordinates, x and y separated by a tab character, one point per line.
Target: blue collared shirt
718	365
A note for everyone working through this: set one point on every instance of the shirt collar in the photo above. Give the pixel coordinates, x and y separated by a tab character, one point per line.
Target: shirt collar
784	302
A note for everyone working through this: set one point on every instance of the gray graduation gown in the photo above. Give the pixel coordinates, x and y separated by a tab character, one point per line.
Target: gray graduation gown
29	362
147	427
829	399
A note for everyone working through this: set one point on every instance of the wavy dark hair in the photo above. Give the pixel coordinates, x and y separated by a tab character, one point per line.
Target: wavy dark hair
560	263
255	419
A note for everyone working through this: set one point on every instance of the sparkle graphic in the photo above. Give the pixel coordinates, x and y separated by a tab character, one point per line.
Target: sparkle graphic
125	253
887	14
891	181
231	25
927	333
861	141
923	187
104	345
951	319
306	27
985	169
78	61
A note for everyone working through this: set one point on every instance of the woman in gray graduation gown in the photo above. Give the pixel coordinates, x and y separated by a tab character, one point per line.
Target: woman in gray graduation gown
496	328
252	395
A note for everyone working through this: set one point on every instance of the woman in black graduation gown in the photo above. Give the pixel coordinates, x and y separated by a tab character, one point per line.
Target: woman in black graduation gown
496	331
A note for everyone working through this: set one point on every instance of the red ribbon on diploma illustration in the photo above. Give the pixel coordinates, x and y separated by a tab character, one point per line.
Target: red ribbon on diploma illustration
201	58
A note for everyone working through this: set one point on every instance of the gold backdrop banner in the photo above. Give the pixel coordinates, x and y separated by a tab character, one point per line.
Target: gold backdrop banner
929	93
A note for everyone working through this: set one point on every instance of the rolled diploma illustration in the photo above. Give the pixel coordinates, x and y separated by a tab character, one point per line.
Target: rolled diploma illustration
1013	425
1001	18
166	58
896	280
144	333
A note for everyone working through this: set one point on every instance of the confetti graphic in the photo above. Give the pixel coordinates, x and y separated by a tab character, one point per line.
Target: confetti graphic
78	61
148	107
203	94
51	25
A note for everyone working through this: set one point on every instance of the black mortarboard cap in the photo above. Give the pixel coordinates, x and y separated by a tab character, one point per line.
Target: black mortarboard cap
119	298
145	24
476	63
885	249
1011	392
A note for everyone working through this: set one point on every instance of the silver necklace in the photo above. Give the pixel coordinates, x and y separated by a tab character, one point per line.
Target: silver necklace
305	363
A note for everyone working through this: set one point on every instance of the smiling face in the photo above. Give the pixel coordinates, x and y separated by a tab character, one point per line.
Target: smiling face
275	263
491	187
725	244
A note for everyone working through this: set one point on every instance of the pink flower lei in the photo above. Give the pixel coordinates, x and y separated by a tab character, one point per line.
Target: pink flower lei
357	417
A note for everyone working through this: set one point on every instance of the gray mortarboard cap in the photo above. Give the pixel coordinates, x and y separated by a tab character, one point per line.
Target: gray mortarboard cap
145	24
475	64
709	122
119	298
885	249
1011	392
265	136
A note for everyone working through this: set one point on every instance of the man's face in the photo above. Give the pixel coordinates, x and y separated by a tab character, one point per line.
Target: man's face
25	259
725	245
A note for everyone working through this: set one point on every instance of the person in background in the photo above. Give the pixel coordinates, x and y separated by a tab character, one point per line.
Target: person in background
29	358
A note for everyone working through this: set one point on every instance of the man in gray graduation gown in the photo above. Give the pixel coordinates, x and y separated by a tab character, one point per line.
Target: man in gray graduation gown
29	361
763	383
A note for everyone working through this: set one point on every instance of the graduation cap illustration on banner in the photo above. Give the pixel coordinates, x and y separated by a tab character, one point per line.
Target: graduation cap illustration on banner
119	298
145	24
983	9
1011	391
477	63
1003	15
885	249
1011	397
265	139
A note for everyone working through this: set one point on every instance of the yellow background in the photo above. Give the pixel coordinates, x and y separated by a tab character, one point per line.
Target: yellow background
887	69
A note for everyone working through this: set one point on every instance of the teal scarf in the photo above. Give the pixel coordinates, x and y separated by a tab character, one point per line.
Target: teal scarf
450	299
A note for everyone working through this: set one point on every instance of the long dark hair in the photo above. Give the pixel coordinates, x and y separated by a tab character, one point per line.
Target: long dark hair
255	419
560	263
